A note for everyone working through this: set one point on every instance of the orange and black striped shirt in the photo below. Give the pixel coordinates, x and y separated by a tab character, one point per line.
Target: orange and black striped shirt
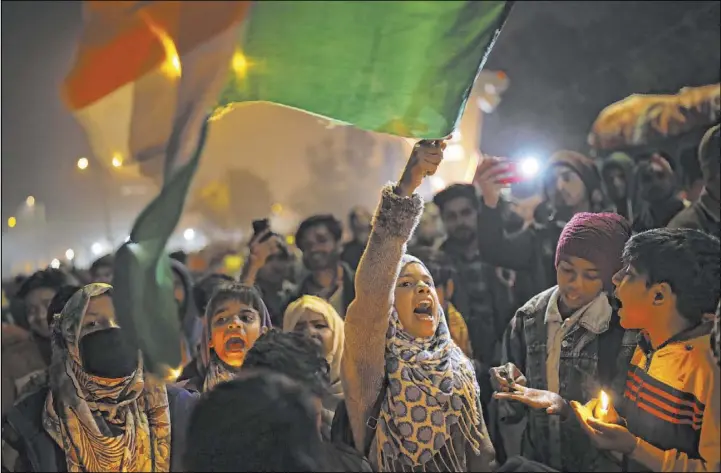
671	402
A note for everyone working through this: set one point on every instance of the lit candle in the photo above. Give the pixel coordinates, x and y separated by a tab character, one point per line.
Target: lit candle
604	403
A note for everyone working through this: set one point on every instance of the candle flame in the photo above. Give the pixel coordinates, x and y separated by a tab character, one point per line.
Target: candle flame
604	401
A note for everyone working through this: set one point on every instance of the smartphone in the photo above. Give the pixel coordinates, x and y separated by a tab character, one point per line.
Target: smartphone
260	226
512	172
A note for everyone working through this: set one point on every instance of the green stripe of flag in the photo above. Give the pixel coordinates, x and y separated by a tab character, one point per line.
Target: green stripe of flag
399	67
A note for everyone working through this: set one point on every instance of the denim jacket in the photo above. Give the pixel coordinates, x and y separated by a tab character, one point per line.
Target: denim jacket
524	345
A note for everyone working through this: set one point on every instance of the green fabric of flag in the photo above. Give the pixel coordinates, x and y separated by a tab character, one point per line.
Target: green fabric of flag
399	67
142	278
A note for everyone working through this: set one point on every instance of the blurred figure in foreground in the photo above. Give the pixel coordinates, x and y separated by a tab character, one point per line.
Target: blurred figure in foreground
261	421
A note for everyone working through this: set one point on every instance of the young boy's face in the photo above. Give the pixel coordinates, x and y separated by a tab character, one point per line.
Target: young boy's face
579	282
639	303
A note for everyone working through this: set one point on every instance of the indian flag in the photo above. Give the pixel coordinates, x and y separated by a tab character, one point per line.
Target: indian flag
147	74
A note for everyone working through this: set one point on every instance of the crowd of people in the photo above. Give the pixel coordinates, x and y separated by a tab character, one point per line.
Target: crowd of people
454	335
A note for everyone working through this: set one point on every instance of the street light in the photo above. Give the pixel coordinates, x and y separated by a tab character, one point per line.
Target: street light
117	160
97	248
69	254
189	234
12	221
82	163
30	201
55	263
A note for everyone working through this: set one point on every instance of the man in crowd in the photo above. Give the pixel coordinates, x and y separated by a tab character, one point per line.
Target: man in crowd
360	226
704	213
657	186
102	269
319	238
571	184
479	295
268	268
618	178
27	352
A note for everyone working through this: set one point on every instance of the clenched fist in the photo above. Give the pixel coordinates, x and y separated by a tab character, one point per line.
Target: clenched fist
424	161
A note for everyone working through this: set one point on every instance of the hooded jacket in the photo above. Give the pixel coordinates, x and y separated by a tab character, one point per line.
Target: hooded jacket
626	164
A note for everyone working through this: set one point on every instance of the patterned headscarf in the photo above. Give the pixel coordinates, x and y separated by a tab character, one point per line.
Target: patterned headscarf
217	371
102	424
322	307
432	393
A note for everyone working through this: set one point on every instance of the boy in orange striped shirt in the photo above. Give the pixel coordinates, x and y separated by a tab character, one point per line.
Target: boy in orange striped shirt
671	407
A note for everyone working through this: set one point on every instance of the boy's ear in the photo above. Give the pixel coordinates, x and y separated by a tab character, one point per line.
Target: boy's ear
450	287
662	293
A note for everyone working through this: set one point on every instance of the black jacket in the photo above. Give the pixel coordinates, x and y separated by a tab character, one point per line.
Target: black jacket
701	215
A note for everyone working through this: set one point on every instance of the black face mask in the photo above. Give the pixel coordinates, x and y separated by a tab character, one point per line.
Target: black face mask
106	354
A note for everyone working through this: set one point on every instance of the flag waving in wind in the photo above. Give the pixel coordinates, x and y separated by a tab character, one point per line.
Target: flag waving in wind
147	74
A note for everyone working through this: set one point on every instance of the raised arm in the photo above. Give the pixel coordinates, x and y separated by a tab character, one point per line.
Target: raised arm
366	322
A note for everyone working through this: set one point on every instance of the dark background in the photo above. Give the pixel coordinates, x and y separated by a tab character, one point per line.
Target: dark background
565	60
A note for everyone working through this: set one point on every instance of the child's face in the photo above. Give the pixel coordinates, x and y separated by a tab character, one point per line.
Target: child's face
579	282
639	306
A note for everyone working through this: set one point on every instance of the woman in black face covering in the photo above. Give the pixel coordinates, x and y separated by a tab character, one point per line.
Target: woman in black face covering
99	413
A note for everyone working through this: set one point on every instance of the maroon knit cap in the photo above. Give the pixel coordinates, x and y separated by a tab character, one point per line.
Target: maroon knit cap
598	238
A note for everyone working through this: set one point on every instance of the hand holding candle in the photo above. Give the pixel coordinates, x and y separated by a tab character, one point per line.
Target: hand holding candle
603	410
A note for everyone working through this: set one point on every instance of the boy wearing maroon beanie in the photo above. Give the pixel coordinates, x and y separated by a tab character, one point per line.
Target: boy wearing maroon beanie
566	343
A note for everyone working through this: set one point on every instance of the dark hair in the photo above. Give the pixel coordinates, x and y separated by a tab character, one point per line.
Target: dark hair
291	354
453	192
330	222
260	421
107	260
180	256
57	304
709	153
353	214
685	259
242	293
204	288
47	278
437	263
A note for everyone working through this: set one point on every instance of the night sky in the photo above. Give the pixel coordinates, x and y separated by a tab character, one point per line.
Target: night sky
565	61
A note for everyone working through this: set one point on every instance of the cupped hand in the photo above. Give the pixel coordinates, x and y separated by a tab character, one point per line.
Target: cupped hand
536	399
505	376
603	435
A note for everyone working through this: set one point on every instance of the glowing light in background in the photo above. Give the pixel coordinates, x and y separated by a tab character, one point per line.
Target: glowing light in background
189	234
55	263
70	254
30	201
529	167
276	209
239	63
171	67
454	152
12	221
437	184
82	163
117	160
96	248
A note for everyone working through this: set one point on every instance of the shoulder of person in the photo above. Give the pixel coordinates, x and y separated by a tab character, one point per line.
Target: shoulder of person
537	304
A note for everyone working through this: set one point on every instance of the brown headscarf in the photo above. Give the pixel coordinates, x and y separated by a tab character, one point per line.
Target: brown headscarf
102	424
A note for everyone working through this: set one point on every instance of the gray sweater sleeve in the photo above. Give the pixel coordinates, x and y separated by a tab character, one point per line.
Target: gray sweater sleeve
366	321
